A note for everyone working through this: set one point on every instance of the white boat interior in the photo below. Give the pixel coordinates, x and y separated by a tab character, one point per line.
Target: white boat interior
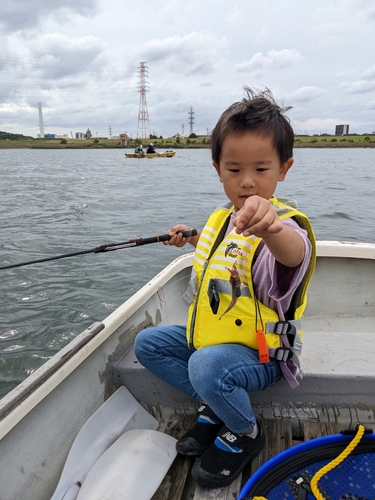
42	417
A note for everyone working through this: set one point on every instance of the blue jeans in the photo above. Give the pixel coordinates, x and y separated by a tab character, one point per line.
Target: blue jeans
221	375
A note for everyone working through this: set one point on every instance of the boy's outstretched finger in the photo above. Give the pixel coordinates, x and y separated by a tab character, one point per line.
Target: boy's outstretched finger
247	220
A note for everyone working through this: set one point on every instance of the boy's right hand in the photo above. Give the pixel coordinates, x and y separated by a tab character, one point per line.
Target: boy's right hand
178	240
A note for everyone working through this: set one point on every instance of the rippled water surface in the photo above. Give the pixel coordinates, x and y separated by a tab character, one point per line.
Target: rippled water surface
60	201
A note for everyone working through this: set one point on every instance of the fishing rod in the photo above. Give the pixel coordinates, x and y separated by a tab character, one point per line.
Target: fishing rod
110	247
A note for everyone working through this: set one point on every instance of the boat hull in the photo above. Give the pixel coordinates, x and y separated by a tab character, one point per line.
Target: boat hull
40	418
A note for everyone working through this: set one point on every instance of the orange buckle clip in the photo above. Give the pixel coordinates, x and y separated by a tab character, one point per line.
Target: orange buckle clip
264	356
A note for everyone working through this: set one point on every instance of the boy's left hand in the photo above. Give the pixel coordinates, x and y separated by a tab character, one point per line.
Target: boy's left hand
257	218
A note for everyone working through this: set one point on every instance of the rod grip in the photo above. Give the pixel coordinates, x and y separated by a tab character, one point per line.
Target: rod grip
186	234
189	232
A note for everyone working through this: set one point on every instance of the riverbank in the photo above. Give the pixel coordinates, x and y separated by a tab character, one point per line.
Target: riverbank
326	141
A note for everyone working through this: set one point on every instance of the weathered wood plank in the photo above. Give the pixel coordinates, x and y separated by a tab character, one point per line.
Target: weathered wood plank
179	424
312	429
173	484
278	437
163	491
229	492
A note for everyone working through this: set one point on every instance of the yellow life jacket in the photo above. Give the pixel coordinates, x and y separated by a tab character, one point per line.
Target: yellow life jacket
223	307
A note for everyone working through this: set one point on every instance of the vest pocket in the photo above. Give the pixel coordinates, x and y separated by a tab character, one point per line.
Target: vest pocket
213	296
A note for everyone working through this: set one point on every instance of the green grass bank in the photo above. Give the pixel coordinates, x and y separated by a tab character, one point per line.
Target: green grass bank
301	141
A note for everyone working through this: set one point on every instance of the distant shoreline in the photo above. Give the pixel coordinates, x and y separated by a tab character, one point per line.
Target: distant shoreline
356	141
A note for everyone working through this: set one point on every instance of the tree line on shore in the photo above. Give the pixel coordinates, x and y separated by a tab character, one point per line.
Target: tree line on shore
11	140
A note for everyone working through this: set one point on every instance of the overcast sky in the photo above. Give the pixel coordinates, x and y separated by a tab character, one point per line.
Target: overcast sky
80	59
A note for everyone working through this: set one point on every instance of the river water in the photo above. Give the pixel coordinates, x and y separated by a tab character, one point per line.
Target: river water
60	201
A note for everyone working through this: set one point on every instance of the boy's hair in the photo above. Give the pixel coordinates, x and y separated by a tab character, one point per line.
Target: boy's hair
258	112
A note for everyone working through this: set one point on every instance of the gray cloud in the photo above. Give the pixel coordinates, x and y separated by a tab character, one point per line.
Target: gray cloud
197	53
369	74
306	94
365	84
29	14
52	67
358	87
61	56
274	60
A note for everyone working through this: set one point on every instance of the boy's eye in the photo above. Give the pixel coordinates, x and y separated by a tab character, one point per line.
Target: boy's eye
234	170
261	169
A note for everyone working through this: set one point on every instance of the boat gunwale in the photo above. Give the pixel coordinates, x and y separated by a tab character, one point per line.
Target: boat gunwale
345	249
44	372
21	400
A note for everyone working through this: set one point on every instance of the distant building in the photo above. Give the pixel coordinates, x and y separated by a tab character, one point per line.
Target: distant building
49	136
79	135
123	139
342	130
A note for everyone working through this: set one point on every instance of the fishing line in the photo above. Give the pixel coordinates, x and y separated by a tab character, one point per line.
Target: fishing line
109	247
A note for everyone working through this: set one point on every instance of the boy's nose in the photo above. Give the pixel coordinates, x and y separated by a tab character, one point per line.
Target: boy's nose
247	181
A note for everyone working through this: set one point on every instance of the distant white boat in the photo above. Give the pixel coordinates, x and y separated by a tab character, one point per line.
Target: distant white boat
84	425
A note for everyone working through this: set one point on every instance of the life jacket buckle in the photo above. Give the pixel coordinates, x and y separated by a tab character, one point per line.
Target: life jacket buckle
288	329
283	354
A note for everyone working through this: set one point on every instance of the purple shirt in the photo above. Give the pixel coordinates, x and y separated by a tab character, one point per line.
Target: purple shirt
275	283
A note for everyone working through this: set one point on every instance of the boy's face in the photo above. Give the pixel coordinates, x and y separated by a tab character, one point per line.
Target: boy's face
250	165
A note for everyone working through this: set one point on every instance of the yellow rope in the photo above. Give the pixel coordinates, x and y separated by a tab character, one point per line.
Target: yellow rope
334	463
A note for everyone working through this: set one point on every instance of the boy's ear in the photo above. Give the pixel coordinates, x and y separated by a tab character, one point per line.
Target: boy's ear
285	168
217	168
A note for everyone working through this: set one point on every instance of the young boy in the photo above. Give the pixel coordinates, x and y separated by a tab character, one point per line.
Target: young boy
252	265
